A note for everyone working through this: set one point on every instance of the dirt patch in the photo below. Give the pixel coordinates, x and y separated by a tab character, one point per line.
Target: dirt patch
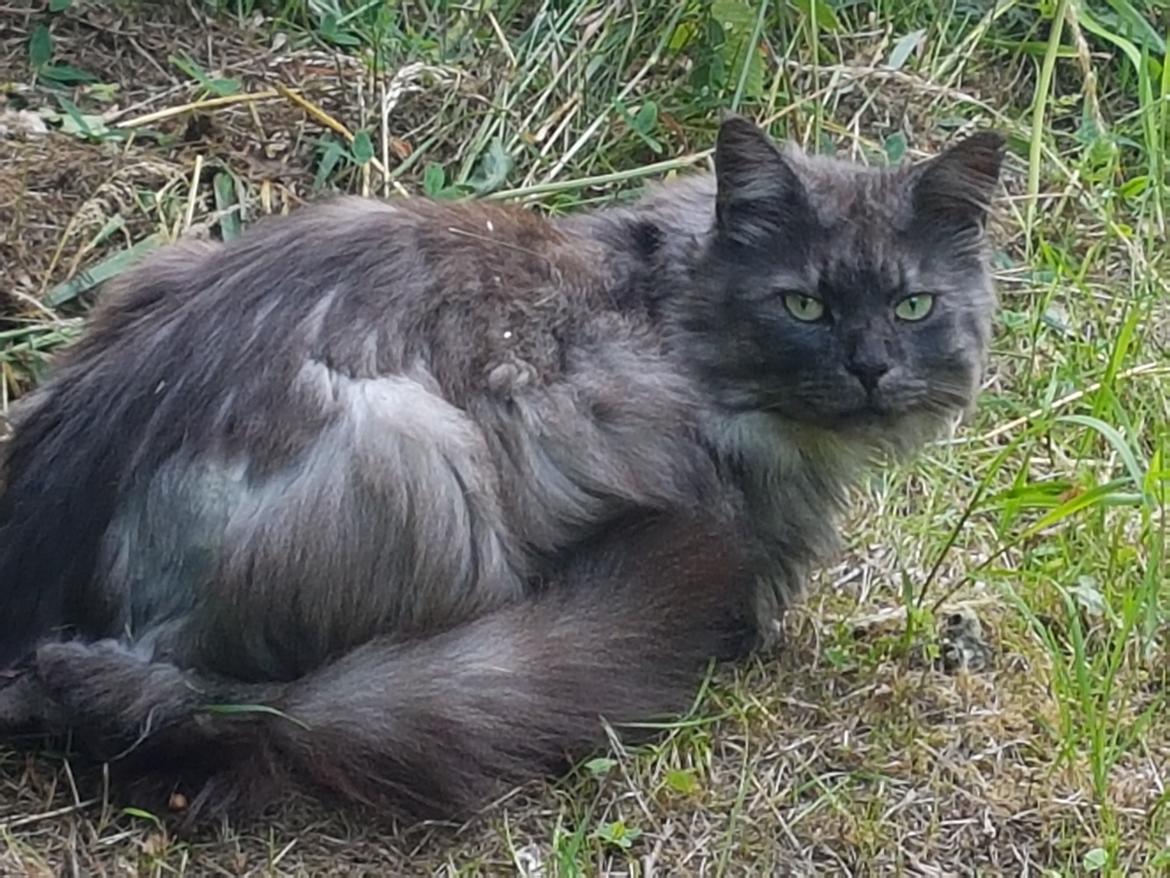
128	168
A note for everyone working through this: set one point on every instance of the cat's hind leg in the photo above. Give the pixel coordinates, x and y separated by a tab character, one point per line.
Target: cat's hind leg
434	726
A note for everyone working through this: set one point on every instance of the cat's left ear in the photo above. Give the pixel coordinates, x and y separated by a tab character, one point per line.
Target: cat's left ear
758	191
955	188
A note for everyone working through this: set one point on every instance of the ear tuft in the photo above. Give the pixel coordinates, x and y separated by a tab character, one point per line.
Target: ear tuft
758	189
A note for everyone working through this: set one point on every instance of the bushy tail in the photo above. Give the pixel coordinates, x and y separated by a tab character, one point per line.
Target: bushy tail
433	727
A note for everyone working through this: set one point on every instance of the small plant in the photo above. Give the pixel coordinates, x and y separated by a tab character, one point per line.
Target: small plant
336	157
618	834
40	56
217	86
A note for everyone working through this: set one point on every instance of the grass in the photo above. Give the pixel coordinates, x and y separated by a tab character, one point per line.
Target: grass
853	751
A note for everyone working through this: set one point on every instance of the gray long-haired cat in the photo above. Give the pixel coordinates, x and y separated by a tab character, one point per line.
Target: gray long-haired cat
395	501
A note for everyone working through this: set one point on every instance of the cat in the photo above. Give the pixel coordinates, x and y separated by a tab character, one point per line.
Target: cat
395	501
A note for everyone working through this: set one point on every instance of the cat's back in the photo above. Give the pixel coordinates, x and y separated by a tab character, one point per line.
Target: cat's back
317	382
251	347
226	347
372	288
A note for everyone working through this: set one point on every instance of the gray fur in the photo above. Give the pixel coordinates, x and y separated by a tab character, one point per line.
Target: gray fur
444	483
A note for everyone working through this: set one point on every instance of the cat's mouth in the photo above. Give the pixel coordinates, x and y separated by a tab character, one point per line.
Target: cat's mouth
859	410
866	415
870	405
871	412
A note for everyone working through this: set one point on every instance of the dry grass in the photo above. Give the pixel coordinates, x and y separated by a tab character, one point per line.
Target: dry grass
867	745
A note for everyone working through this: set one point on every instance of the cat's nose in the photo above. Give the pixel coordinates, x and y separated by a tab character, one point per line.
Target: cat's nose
869	355
868	371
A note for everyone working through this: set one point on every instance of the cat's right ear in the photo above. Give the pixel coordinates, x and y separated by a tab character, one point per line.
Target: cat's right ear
758	190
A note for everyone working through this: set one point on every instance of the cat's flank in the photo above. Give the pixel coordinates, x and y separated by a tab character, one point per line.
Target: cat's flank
397	501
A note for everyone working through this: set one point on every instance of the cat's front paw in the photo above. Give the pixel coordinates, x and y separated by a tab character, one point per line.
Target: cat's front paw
772	598
769	635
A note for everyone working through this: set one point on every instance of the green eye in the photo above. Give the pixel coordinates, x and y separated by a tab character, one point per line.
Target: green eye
915	307
803	307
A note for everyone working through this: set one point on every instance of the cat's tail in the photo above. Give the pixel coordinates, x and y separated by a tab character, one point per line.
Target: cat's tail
432	727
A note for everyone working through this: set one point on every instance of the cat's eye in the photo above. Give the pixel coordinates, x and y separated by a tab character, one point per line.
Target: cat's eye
915	307
804	308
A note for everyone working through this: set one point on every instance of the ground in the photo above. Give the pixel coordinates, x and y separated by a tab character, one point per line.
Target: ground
978	685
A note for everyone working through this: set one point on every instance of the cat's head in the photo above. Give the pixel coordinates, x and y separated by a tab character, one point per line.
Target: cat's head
844	297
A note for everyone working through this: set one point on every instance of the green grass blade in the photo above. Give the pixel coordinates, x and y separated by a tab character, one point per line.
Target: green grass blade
109	267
